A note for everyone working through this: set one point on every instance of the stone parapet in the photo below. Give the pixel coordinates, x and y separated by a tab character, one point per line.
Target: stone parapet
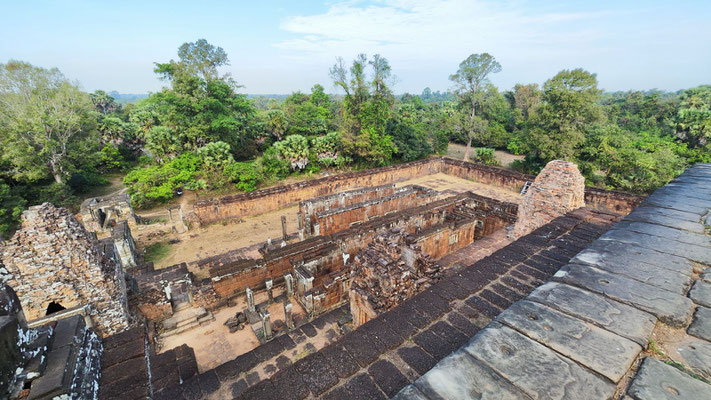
581	336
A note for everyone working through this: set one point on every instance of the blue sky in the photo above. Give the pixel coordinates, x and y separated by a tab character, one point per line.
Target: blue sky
285	46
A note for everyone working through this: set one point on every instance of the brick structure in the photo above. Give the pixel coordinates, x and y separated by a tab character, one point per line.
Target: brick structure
54	262
558	189
102	213
261	201
389	271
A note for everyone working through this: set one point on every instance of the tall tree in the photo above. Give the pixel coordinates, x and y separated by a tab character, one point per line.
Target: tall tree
471	76
44	119
367	107
569	109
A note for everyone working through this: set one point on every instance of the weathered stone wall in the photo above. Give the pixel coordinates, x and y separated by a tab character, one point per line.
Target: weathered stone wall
101	213
53	258
153	299
124	245
390	270
558	189
309	208
274	198
335	220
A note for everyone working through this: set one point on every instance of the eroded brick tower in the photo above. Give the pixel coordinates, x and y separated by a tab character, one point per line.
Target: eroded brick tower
54	263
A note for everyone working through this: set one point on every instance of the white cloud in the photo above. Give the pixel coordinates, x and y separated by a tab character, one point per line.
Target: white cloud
531	41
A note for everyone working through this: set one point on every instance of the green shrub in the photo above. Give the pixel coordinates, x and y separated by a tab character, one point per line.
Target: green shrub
274	166
295	150
246	175
158	183
517	146
486	156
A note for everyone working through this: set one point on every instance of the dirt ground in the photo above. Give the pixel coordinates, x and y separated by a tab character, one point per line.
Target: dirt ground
504	158
216	239
451	184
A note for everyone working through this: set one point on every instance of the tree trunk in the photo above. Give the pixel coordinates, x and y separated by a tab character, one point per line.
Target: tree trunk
466	152
58	178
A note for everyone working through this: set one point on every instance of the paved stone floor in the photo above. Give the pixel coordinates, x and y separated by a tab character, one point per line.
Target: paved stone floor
629	316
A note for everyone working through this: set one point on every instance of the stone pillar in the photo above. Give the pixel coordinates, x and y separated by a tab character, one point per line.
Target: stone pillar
283	228
250	299
266	324
269	285
288	320
289	281
309	303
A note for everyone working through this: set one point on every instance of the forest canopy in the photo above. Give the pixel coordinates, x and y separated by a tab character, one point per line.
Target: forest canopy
200	133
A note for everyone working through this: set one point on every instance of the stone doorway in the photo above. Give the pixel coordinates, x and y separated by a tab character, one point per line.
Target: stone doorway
54	307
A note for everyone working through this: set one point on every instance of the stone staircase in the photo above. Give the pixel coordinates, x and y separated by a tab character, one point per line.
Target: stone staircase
185	318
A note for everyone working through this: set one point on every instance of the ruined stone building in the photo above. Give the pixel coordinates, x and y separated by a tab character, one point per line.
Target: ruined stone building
388	288
102	213
55	264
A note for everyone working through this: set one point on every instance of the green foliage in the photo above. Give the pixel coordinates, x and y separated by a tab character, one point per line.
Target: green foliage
11	207
158	183
274	165
45	121
485	155
111	158
366	109
693	118
156	251
215	155
568	110
517	146
295	150
246	175
326	149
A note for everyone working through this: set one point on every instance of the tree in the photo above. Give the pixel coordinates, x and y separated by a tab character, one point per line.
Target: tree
366	107
200	106
103	102
472	74
569	108
693	119
44	119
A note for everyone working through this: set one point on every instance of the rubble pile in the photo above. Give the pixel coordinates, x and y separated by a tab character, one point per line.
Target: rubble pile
387	272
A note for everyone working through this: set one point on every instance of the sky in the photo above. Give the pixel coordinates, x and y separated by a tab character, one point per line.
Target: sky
278	47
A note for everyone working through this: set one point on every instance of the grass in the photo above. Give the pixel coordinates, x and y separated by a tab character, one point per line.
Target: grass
157	251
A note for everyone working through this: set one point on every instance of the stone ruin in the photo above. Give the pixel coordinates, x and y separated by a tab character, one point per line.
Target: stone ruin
58	360
389	271
55	264
99	214
558	189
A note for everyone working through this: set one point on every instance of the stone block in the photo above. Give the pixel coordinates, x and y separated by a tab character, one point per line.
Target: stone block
601	351
666	232
701	325
410	392
388	378
616	317
289	384
316	373
669	307
656	380
696	355
360	387
661	244
416	358
700	293
601	252
339	360
537	370
460	377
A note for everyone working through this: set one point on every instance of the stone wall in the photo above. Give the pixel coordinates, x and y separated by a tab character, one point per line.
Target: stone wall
53	258
309	208
390	270
558	189
270	199
328	222
274	198
102	213
153	298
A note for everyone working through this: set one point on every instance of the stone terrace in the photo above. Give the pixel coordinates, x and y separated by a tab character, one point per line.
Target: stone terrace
581	335
394	349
